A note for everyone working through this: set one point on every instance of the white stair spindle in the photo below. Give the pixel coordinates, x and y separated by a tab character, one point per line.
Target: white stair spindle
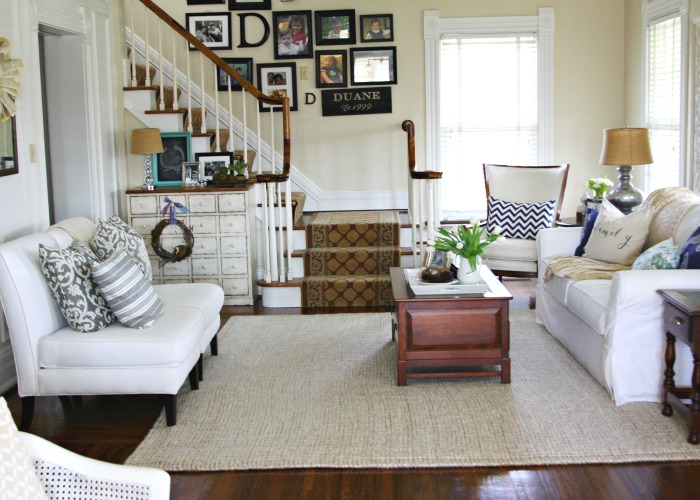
280	236
271	228
257	108
267	271
230	145
189	88
148	51
245	124
414	214
203	128
175	104
272	139
133	49
160	67
216	109
290	228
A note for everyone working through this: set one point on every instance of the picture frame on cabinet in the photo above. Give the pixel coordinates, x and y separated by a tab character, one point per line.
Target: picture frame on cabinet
293	34
335	27
377	28
249	4
210	163
213	29
331	68
190	173
278	80
167	166
242	65
375	66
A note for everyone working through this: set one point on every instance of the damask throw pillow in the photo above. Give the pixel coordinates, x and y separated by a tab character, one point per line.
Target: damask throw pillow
616	237
519	220
68	272
663	255
690	255
129	294
114	234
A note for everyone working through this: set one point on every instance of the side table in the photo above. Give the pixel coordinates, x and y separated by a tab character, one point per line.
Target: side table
682	321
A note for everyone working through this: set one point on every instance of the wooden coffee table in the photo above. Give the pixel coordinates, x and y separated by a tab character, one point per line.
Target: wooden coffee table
452	336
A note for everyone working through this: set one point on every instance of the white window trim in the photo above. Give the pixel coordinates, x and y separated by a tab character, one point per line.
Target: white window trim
653	10
542	26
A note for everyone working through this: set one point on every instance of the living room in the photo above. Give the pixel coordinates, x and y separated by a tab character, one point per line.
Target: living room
353	162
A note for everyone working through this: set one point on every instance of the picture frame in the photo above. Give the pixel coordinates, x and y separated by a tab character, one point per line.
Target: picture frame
210	163
190	173
331	74
375	66
213	29
278	79
335	27
293	36
244	65
204	2
382	32
167	166
249	4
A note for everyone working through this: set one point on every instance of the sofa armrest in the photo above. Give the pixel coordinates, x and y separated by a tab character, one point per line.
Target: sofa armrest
553	242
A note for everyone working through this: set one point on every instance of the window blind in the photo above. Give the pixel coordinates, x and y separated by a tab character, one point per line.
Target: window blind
488	114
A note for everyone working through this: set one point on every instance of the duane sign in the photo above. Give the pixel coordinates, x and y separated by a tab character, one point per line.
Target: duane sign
366	101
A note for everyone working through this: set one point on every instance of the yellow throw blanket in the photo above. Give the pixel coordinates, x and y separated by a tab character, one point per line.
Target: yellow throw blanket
581	268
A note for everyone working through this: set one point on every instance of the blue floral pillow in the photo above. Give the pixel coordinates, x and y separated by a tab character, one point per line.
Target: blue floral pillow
663	255
690	256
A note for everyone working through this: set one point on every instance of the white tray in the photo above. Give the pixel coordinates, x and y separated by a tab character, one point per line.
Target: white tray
420	288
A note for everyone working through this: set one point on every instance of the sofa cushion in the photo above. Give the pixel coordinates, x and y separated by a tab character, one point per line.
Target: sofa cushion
511	249
519	220
68	273
690	255
114	234
586	230
663	255
206	297
167	343
616	237
588	300
127	291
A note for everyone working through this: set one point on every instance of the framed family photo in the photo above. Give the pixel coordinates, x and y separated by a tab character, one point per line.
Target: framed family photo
376	66
249	4
190	173
377	28
210	163
241	65
293	36
335	27
331	68
213	29
278	80
167	166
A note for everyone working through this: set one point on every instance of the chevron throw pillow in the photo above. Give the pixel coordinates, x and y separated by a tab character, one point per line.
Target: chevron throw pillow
519	220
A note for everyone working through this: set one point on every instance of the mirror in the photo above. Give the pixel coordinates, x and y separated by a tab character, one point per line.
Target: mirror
8	147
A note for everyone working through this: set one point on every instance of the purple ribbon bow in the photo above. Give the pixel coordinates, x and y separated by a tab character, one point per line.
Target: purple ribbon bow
170	209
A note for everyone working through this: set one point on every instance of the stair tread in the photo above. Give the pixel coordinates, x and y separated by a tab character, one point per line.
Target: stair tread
165	111
140	87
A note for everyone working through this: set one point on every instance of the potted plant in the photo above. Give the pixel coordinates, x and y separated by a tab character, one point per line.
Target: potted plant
238	169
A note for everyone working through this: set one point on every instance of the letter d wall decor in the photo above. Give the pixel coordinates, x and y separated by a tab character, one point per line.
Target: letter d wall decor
366	101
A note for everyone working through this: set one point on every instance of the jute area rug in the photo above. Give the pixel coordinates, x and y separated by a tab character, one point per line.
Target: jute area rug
320	391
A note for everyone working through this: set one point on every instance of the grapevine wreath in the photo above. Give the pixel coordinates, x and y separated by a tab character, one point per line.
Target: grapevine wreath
180	252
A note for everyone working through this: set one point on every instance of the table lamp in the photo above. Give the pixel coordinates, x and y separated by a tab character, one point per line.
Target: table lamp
146	141
625	147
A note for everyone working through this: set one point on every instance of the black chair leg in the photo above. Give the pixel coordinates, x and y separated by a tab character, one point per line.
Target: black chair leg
214	345
27	412
170	409
200	367
194	377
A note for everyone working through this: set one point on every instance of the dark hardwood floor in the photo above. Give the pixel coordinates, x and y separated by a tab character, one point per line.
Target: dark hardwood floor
109	428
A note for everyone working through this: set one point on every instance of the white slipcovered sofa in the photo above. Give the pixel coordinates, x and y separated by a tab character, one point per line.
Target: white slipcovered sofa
614	327
52	359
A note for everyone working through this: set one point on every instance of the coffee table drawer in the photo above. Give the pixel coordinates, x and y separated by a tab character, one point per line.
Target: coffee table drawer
454	327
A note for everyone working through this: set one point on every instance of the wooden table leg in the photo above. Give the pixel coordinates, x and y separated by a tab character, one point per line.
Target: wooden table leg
694	420
670	358
505	371
401	371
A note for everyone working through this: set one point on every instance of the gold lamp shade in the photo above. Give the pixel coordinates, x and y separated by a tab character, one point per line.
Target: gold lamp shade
146	141
626	146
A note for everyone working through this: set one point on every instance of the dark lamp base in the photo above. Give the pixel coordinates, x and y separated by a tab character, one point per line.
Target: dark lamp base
625	196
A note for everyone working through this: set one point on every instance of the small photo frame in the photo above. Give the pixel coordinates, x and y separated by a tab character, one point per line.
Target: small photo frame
213	29
210	163
331	68
293	36
278	80
167	166
376	66
249	4
190	174
377	28
335	27
242	65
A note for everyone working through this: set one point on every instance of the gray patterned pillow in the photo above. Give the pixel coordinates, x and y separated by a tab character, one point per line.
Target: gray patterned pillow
68	273
114	234
132	298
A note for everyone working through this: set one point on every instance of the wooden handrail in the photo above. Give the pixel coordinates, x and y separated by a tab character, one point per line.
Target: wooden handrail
408	126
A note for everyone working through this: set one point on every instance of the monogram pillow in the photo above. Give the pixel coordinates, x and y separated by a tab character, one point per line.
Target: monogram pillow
114	234
68	272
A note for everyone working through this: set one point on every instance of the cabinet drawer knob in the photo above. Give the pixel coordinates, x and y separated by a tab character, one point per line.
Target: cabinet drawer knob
677	321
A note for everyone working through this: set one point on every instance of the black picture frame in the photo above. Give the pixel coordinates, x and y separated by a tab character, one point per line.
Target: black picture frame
204	2
213	29
324	23
326	78
386	27
373	66
282	83
301	43
167	166
244	65
210	163
249	4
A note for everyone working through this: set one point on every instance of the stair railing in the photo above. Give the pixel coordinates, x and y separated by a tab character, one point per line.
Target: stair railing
423	189
272	182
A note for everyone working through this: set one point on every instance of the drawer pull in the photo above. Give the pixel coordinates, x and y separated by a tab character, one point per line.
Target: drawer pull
677	321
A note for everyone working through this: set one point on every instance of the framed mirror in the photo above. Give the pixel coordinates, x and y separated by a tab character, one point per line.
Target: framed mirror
8	147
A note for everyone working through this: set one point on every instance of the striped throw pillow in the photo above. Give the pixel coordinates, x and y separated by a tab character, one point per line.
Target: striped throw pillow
129	294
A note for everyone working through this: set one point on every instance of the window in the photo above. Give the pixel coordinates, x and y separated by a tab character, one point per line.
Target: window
488	100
